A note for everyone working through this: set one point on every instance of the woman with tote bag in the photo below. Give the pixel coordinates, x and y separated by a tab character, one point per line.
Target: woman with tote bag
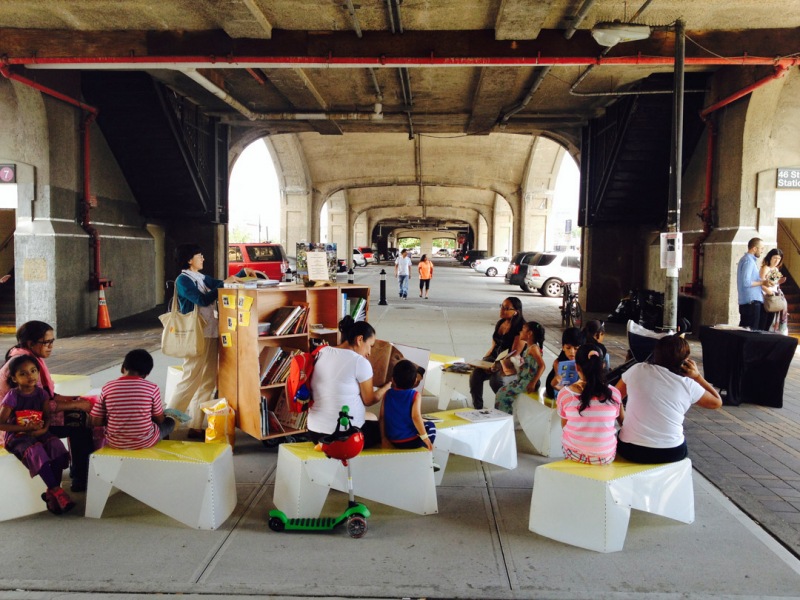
194	290
775	316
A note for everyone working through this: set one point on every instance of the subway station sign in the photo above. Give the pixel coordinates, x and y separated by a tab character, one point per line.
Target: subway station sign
788	178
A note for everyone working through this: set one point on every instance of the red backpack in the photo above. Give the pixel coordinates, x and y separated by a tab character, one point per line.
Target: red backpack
298	390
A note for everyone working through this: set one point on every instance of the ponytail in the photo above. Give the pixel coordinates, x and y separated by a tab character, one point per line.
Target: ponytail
351	329
538	333
589	358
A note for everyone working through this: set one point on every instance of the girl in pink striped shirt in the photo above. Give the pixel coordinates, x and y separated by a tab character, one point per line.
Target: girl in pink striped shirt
588	409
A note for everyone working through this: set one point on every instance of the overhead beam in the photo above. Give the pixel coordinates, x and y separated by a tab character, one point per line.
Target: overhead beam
239	18
292	49
521	19
491	95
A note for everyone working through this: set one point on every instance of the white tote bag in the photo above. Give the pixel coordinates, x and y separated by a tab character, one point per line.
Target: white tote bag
183	334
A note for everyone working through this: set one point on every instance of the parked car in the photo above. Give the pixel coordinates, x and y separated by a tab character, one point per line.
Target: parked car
342	265
368	253
548	271
491	266
265	257
470	256
515	274
359	260
442	252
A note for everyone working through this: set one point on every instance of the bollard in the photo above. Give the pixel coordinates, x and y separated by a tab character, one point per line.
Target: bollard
351	277
383	289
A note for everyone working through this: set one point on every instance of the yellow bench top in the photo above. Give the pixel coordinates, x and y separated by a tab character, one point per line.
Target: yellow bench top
618	469
450	419
305	451
443	358
171	451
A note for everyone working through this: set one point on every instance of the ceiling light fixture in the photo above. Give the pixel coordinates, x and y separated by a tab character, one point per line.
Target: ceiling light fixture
612	33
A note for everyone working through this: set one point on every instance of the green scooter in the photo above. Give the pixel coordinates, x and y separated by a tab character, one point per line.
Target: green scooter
343	444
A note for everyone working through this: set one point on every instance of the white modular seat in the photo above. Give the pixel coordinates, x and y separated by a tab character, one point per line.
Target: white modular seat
191	482
20	495
541	425
399	478
491	441
433	375
589	506
72	385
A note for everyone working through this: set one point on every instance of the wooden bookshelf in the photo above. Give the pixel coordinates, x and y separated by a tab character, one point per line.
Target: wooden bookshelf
242	351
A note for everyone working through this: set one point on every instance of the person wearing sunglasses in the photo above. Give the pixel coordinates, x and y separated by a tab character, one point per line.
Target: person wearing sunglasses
505	337
68	414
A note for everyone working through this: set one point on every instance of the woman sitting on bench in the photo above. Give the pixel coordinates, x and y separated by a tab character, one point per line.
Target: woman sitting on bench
659	395
343	376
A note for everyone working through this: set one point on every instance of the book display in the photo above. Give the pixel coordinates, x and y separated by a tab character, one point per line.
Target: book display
260	331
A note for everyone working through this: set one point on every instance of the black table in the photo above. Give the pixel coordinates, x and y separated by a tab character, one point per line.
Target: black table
750	365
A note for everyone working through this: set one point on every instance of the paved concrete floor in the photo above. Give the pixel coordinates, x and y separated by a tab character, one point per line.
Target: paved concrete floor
478	546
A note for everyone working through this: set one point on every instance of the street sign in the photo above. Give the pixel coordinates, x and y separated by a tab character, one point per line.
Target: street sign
788	178
8	174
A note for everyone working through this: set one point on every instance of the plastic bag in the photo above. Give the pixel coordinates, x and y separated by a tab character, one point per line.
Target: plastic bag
221	421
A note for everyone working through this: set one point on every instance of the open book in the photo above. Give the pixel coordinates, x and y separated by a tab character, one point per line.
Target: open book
489	365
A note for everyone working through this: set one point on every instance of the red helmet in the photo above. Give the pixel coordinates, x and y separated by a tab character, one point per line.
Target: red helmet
346	442
343	445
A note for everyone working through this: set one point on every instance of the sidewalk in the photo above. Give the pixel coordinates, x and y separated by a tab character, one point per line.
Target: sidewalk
478	546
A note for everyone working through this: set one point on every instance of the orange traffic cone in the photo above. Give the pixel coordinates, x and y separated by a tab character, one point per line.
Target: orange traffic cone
103	320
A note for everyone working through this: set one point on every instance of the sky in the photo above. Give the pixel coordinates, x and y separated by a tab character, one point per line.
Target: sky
255	195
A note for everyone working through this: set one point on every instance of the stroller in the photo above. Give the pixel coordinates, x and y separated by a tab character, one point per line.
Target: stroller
641	342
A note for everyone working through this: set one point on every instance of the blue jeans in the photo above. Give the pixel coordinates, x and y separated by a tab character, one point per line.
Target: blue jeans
403	281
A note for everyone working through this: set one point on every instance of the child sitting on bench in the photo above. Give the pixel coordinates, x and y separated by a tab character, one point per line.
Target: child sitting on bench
402	425
130	407
588	409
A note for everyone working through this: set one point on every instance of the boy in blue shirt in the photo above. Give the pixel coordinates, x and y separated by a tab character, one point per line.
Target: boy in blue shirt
402	425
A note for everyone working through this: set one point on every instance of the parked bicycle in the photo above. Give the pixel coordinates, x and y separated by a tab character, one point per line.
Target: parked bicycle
571	311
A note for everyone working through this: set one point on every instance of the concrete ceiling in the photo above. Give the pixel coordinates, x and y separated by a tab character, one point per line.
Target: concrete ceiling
444	68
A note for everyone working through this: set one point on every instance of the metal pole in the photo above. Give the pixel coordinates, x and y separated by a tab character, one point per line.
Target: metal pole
383	301
675	167
351	277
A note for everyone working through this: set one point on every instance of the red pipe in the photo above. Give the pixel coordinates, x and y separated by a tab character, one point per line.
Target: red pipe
92	113
395	61
696	286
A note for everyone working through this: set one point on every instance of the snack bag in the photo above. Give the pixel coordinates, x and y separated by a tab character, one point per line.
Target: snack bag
221	421
28	416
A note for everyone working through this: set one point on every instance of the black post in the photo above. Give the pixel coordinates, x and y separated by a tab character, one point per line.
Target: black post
383	301
351	277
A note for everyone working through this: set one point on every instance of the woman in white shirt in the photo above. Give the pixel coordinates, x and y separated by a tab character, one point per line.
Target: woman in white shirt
343	377
659	395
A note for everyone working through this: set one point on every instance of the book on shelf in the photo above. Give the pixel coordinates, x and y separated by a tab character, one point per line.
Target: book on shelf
288	419
358	309
279	369
284	318
264	419
274	356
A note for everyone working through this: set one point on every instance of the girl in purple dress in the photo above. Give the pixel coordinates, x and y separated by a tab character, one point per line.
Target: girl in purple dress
25	416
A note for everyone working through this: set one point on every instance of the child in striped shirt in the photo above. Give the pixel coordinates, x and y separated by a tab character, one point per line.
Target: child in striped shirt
130	407
588	409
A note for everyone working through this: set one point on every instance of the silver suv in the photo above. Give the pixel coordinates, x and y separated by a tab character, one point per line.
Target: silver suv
548	271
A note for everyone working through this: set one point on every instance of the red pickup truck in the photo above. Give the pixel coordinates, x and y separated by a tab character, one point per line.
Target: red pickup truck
265	257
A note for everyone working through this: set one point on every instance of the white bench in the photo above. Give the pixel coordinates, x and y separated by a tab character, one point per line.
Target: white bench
20	495
399	478
433	375
589	506
490	441
540	423
191	482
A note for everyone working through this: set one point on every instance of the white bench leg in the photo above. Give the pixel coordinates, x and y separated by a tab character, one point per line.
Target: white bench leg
577	511
668	492
299	492
541	424
20	495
